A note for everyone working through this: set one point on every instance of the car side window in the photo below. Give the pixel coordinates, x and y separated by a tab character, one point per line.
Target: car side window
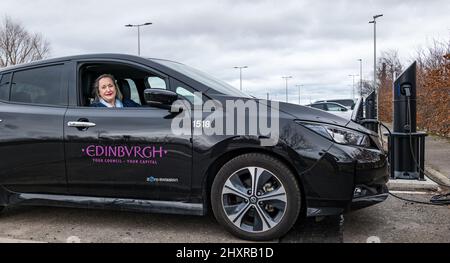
189	95
186	92
318	106
154	82
4	86
134	93
38	86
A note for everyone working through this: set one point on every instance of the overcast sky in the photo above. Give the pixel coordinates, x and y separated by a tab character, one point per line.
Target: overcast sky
316	42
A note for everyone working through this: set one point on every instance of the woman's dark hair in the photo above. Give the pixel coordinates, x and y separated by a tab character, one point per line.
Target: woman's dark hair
96	92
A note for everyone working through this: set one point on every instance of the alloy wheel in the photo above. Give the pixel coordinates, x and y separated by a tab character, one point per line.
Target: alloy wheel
254	199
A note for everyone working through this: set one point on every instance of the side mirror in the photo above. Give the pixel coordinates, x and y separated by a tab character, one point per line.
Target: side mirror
160	98
343	109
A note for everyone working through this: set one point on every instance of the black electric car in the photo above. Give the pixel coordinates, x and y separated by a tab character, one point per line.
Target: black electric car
57	150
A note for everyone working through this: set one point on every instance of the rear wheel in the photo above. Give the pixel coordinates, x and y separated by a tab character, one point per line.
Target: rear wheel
256	197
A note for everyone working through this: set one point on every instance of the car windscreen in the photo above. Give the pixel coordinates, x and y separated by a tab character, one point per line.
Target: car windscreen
218	85
348	103
335	107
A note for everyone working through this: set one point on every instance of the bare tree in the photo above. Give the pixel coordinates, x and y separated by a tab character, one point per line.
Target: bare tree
434	56
17	45
388	64
367	87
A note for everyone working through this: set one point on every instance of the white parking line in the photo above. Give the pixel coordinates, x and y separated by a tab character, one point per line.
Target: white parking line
373	239
410	192
73	239
11	240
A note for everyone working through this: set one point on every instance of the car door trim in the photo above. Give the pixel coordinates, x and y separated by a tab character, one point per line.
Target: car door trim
138	205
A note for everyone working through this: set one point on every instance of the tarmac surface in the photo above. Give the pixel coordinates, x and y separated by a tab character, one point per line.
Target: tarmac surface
437	154
391	221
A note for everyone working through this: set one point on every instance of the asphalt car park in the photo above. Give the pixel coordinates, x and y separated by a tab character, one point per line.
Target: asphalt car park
391	221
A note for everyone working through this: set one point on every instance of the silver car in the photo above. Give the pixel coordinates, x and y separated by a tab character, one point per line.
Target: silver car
334	108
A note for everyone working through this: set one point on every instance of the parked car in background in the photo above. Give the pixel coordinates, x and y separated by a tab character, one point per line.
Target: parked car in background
333	108
348	103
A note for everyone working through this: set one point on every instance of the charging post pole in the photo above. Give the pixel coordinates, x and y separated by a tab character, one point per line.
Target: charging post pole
406	145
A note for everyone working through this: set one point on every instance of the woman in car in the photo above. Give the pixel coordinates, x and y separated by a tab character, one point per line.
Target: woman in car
107	94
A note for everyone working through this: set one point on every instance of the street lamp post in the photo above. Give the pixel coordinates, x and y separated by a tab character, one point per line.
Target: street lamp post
360	77
353	85
299	87
139	34
374	22
240	74
286	78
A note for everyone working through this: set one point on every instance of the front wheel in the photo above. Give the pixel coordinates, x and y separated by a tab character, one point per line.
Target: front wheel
256	197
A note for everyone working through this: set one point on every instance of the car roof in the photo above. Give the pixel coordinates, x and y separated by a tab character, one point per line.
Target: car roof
86	56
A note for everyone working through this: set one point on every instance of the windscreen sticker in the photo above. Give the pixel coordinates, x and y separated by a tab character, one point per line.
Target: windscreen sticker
124	154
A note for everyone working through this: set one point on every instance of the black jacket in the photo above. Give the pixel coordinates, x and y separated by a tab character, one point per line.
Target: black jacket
125	102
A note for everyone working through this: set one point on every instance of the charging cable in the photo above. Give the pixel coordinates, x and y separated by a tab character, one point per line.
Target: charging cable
443	199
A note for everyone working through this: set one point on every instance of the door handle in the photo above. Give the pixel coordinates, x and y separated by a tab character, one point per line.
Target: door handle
81	124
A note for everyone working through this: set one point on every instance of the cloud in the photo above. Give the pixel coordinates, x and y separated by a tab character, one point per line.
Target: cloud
317	42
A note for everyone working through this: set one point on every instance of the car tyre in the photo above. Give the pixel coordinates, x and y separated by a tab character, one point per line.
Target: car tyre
256	197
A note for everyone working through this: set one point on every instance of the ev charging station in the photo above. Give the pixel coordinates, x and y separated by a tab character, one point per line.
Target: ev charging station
406	146
370	108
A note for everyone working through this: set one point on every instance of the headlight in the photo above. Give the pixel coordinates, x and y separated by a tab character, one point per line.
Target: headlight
338	134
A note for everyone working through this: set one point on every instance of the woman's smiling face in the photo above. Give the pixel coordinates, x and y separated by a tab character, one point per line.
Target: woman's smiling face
107	90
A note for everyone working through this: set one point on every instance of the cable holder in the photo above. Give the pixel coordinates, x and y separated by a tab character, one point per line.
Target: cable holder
401	158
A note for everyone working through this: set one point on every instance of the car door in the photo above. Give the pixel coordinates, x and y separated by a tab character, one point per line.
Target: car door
32	108
126	153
